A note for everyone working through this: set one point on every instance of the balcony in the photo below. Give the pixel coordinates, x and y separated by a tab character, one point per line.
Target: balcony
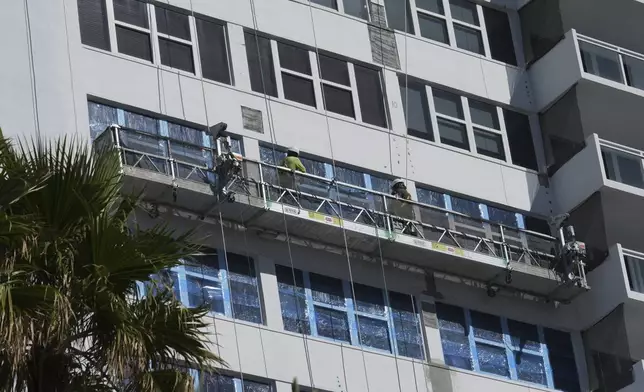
178	175
607	83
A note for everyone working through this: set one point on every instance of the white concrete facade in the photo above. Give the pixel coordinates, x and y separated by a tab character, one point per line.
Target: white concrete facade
49	76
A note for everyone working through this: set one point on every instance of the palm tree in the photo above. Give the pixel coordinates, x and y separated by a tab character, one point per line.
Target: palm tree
72	317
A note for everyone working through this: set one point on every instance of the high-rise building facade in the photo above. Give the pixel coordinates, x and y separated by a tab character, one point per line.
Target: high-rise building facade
501	117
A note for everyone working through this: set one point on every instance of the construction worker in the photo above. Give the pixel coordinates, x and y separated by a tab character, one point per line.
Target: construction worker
398	207
293	163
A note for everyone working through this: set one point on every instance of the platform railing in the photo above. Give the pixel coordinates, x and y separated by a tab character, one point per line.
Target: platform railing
391	215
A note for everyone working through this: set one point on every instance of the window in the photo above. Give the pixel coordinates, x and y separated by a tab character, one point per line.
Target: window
322	306
485	343
450	119
219	382
414	98
233	291
100	117
399	15
623	167
499	35
517	127
600	61
137	24
346	88
92	15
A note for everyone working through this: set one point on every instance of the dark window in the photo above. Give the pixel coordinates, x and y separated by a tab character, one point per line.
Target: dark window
399	15
326	3
92	17
469	39
292	299
453	134
356	8
338	100
260	64
244	290
133	43
517	128
499	35
173	23
484	114
634	69
536	224
334	70
176	55
371	96
416	109
448	104
562	360
100	117
464	11
433	28
294	58
213	52
435	6
298	89
454	336
131	11
489	144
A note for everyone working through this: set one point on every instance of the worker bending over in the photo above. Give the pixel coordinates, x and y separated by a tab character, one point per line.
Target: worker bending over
293	163
400	208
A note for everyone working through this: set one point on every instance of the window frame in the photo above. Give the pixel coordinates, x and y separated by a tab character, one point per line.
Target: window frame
613	154
155	36
350	309
223	279
506	344
316	78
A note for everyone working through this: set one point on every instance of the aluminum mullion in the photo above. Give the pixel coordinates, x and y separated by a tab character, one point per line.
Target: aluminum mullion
315	76
391	324
176	39
156	52
450	24
299	74
432	113
546	359
225	287
352	318
414	16
468	124
470	337
504	135
196	53
134	27
431	13
111	25
310	307
512	366
277	69
183	285
450	118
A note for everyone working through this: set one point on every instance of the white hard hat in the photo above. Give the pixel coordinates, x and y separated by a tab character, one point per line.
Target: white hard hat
294	150
397	181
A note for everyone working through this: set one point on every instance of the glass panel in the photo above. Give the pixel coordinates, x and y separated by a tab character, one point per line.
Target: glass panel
517	127
327	290
448	104
371	96
100	117
92	18
467	207
600	61
172	23
332	324
414	99
252	386
380	184
430	197
132	12
502	216
176	55
213	382
133	43
524	336
326	3
454	336
530	368
292	300
431	5
399	15
630	170
469	39
349	176
433	28
464	11
185	134
453	134
260	64
204	265
634	71
338	100
244	292
406	325
486	326
499	35
492	359
489	144
334	70
356	8
484	114
369	299
213	52
298	89
373	333
294	58
141	123
202	291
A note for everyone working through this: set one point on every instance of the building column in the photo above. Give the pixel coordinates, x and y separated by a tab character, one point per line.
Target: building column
270	294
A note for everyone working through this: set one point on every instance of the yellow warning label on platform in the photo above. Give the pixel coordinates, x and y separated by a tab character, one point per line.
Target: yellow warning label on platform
449	249
324	218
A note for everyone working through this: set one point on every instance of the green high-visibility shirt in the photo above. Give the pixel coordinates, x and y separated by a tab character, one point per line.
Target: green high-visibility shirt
293	163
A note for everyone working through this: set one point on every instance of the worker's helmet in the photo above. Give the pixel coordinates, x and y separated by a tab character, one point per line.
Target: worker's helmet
397	181
294	150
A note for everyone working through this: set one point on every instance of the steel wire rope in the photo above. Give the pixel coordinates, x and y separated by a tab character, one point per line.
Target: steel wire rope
221	224
264	188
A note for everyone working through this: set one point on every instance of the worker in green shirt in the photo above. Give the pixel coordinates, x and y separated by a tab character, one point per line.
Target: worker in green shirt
293	163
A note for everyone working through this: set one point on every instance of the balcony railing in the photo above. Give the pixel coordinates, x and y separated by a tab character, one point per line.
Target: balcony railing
611	62
335	199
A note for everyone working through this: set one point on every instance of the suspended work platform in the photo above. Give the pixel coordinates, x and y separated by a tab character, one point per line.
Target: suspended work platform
274	201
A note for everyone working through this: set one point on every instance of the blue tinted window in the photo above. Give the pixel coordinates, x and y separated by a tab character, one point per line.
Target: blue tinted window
100	117
217	382
322	306
228	288
430	197
508	348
